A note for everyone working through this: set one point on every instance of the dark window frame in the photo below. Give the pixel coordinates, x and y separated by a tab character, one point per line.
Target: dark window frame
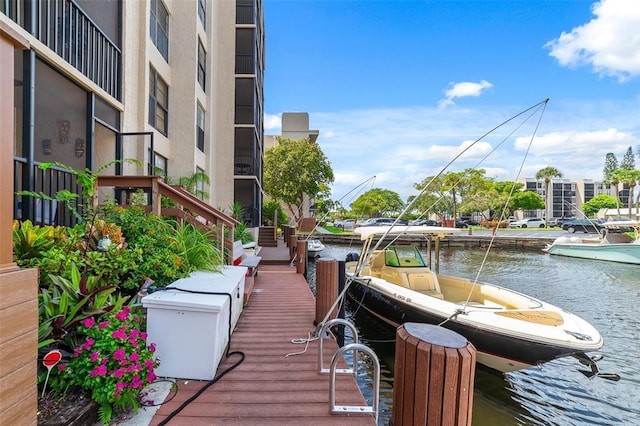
159	27
202	12
202	65
200	120
156	107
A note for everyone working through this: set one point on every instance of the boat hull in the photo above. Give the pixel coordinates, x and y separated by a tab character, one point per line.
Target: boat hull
622	253
496	350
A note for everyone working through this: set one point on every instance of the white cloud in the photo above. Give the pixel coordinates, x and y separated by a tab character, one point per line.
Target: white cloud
272	122
610	42
403	146
464	89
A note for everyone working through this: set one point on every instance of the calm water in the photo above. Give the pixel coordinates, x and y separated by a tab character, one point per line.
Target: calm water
556	393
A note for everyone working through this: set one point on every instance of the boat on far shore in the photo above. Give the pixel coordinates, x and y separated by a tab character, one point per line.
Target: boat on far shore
613	246
314	248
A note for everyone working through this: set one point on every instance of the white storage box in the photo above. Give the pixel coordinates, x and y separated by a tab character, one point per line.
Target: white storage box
191	330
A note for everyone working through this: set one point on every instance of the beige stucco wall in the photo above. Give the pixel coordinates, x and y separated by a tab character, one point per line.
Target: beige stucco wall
180	74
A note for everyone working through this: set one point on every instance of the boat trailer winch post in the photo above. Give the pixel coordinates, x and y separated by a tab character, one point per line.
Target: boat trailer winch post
355	409
324	335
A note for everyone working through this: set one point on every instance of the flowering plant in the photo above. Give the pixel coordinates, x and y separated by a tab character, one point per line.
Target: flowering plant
113	363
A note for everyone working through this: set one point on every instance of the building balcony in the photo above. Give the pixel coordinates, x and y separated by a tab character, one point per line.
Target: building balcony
68	31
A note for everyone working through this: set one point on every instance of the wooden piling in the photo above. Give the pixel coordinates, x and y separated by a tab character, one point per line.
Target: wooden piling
326	288
434	376
293	246
301	260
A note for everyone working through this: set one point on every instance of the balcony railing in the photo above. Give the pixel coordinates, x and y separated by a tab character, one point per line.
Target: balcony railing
67	30
49	182
245	13
245	165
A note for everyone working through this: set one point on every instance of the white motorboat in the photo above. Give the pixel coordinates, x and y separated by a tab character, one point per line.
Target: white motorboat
510	330
614	246
314	247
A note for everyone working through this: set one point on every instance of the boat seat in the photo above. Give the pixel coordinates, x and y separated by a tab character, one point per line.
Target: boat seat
426	283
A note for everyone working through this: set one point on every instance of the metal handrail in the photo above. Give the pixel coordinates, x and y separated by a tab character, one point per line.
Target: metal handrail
327	326
355	409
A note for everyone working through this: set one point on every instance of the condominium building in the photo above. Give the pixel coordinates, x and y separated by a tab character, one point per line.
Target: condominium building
175	84
567	196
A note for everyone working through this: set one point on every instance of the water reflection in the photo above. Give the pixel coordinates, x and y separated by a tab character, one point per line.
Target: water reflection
555	393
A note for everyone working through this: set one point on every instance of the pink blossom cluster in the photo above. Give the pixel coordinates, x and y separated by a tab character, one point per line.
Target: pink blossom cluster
112	349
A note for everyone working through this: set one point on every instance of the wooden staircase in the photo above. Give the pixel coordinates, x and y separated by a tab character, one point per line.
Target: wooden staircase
189	208
267	236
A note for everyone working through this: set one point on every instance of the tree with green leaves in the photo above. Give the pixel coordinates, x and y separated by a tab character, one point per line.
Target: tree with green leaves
527	200
628	161
449	192
547	173
602	201
610	164
378	202
629	178
295	169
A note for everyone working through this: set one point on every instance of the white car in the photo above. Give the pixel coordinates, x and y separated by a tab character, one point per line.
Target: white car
532	222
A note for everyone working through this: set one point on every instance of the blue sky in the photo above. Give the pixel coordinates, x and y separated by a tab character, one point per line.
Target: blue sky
398	88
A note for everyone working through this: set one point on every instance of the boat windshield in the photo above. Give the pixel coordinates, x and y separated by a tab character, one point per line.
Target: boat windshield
403	256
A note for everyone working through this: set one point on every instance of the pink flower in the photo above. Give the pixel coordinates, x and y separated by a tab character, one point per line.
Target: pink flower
148	363
88	322
152	347
143	335
151	377
133	343
100	370
134	357
119	355
118	373
119	334
87	345
121	385
122	315
136	382
136	319
94	356
134	334
62	367
103	325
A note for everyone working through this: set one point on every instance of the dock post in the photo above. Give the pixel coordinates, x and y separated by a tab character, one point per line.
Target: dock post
301	260
293	246
326	288
434	376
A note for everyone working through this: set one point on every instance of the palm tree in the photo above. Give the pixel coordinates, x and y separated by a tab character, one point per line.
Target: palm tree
614	178
629	178
547	174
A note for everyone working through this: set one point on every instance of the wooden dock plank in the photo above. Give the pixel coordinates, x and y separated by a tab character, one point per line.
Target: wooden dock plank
278	382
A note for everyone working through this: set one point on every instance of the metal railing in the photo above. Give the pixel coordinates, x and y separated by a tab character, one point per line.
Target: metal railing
48	182
67	30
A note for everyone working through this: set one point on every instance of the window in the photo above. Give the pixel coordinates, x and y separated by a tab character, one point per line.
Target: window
202	63
202	12
200	129
161	166
158	102
159	27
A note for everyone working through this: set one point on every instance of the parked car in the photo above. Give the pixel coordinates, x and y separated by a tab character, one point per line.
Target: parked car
531	222
424	222
383	221
584	225
558	221
345	224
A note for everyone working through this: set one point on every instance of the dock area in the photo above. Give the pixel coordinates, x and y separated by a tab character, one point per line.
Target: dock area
276	381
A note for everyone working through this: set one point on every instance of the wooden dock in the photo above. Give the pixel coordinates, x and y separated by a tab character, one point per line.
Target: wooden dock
278	382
